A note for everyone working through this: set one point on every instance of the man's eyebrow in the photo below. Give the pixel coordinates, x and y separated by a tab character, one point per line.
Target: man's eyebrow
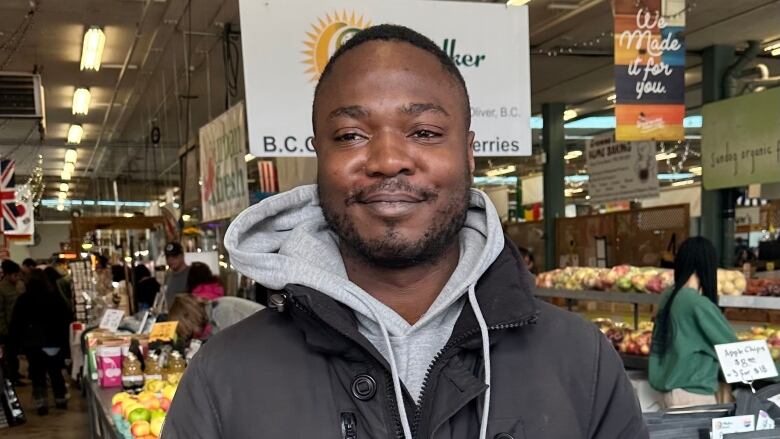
353	111
419	108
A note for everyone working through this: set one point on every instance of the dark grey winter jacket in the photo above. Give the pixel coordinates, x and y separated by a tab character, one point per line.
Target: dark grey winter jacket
305	371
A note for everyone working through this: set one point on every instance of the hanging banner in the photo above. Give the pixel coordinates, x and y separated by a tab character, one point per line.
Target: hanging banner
24	231
224	190
649	69
287	43
620	170
8	194
740	140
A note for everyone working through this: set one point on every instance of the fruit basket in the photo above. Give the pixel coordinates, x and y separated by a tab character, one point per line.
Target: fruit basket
141	415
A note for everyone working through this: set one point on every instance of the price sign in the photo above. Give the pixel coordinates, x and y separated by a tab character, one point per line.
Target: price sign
165	331
746	361
111	319
732	424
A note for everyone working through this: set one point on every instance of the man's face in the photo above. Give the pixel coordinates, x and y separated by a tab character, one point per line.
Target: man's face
394	154
176	263
13	278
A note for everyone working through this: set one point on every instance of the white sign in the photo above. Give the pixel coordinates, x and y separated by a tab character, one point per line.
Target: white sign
746	361
287	43
620	170
747	216
111	319
223	189
732	424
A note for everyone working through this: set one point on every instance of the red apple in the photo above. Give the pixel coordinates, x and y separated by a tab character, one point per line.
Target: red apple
165	403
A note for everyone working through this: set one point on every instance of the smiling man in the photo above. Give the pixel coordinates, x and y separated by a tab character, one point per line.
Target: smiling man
402	311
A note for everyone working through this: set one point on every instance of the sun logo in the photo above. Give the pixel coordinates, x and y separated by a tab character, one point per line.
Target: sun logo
327	36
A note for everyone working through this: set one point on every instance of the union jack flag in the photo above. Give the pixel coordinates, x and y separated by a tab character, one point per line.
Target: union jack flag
8	194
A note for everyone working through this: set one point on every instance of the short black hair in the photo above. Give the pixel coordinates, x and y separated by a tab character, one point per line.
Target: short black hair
10	267
402	34
29	262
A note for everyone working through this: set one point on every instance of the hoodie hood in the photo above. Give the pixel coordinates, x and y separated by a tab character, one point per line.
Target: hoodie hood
285	240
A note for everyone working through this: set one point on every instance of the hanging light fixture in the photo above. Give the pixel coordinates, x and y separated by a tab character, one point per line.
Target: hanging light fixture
64	187
65	175
81	100
62	195
92	51
569	114
70	156
69	168
75	132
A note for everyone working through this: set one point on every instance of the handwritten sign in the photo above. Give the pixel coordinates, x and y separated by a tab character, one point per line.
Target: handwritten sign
746	361
163	331
649	70
621	170
111	319
732	424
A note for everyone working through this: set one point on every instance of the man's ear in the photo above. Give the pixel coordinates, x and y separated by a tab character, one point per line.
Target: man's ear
470	151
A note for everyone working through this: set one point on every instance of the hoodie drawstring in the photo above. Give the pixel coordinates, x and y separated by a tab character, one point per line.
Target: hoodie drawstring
483	329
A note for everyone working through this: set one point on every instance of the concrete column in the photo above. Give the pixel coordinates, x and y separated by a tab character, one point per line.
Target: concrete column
554	145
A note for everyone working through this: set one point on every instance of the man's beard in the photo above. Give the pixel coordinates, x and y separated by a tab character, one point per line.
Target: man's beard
391	250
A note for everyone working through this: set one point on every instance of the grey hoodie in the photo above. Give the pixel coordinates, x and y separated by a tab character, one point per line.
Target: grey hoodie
285	240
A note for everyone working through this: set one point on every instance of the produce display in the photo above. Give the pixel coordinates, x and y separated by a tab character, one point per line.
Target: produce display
771	335
141	415
763	287
625	339
628	278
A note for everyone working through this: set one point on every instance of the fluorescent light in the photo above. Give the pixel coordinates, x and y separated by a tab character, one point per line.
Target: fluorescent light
772	47
612	97
501	171
65	175
249	158
128	215
69	168
62	195
517	2
695	170
75	132
60	207
64	187
569	114
775	52
682	183
186	217
92	51
161	204
81	99
665	156
71	155
571	155
675	176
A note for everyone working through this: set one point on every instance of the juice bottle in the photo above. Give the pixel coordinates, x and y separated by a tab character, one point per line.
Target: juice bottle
153	370
132	374
176	366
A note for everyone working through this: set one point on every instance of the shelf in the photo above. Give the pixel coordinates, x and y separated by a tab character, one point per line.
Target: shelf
754	302
634	361
601	296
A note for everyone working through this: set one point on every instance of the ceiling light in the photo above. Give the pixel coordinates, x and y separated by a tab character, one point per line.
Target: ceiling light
248	158
571	155
71	155
775	52
81	99
695	170
612	97
64	187
665	156
60	207
68	168
74	134
682	183
128	215
772	47
501	171
569	114
92	51
65	175
517	2
186	217
62	195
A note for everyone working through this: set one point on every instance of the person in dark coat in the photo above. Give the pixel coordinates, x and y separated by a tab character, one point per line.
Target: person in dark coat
145	288
402	311
39	325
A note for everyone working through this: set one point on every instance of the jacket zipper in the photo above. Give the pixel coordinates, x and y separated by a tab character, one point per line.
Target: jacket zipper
390	394
437	358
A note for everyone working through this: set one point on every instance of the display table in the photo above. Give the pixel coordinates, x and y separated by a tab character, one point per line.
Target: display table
101	425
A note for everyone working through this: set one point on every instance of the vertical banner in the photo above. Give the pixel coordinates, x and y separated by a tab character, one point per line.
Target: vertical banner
25	212
224	190
8	194
649	69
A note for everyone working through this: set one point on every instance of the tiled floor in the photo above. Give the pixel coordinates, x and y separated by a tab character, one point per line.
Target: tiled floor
59	424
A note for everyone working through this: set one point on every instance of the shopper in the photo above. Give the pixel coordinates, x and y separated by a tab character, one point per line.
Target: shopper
145	288
400	293
40	326
28	265
202	283
683	362
60	284
9	293
178	270
192	313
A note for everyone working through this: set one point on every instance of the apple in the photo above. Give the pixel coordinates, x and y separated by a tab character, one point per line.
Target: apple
158	414
129	406
157	425
139	414
140	428
165	403
117	408
169	391
121	396
151	404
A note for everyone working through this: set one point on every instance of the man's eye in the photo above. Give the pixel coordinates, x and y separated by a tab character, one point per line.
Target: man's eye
348	137
425	134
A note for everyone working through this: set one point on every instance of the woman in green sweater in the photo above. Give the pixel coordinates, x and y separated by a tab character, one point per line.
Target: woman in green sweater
683	363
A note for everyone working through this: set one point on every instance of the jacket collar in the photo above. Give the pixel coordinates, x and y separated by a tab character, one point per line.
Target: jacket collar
504	293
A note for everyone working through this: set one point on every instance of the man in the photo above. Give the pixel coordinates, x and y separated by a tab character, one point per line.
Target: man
9	292
403	312
28	265
178	270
